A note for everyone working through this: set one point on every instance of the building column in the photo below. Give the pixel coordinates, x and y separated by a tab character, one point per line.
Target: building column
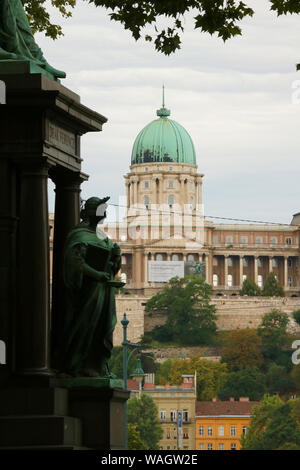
182	191
285	275
127	194
241	270
146	268
67	216
199	191
208	268
270	264
184	257
226	270
168	256
32	335
256	269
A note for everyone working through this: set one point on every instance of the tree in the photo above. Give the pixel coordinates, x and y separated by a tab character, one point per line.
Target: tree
295	376
211	376
273	332
162	375
186	304
277	380
134	439
250	288
248	382
142	412
242	349
272	288
296	316
214	17
261	416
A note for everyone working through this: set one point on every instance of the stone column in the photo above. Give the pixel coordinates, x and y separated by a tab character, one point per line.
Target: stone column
67	216
255	269
32	335
270	264
226	270
241	270
285	276
127	194
199	191
131	192
146	268
168	256
182	191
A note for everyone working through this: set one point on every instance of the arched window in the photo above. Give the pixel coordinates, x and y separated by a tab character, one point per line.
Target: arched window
175	257
191	258
215	280
230	280
171	201
230	263
159	257
147	201
191	202
171	184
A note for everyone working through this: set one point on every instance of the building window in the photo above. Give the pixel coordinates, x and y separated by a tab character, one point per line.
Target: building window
259	240
146	168
191	202
171	184
244	277
124	260
191	258
260	262
175	257
168	435
123	277
229	239
232	430
191	186
170	168
209	447
230	280
230	262
185	435
244	239
201	430
245	430
290	262
171	201
275	263
215	239
273	240
245	262
215	280
163	415
290	281
173	416
260	281
159	257
221	446
288	241
232	446
146	184
209	431
185	415
221	430
215	261
201	446
146	201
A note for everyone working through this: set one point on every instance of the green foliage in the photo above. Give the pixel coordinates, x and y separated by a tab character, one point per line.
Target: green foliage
211	376
134	439
116	363
261	416
273	332
162	375
39	17
142	412
213	17
242	349
278	381
190	316
296	316
250	288
248	382
272	288
295	376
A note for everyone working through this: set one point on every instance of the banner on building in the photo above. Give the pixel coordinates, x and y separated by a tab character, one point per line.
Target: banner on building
163	271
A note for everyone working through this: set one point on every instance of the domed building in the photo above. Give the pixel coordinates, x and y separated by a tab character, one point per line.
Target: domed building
165	234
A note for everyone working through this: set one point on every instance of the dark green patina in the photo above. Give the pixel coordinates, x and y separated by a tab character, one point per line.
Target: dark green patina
91	260
17	44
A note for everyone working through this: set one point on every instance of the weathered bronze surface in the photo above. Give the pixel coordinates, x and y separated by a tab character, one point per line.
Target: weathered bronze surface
91	260
16	39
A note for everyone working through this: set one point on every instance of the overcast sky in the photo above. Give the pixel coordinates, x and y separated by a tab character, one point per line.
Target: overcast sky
235	100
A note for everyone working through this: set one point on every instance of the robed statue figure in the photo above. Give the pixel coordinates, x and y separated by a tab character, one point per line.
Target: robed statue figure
16	38
91	261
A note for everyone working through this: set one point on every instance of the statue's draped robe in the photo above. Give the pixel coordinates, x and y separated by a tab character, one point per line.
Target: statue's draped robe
90	315
16	39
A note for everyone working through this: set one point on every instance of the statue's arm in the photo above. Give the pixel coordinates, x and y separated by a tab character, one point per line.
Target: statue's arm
79	252
116	259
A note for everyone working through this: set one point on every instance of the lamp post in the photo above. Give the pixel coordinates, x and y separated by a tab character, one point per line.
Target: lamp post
126	359
138	375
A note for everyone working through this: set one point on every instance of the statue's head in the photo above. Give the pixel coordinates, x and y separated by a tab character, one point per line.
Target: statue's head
94	209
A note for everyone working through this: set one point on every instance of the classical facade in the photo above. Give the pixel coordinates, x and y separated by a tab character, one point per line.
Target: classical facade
165	233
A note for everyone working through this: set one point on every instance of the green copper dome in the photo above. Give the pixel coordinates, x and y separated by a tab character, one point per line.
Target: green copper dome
163	140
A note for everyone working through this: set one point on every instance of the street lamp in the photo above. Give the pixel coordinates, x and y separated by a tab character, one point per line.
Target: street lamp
126	360
138	375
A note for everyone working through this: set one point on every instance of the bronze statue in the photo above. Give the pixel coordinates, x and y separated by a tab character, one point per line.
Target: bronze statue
16	39
91	261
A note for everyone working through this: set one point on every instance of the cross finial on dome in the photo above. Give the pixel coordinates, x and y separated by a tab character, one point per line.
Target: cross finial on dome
163	112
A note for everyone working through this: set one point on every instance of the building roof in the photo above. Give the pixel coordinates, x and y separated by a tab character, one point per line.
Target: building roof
163	140
132	385
223	408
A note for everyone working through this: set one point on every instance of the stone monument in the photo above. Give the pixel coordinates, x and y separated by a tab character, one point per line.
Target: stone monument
41	127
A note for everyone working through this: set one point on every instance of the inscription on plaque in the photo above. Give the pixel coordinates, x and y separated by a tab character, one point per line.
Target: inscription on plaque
62	138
